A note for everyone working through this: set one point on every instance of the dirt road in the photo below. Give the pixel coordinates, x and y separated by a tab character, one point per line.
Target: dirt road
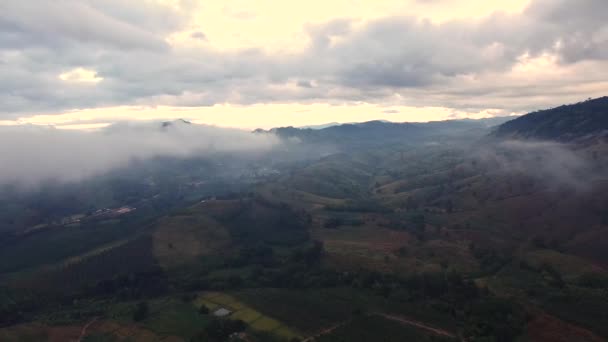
398	319
417	324
83	332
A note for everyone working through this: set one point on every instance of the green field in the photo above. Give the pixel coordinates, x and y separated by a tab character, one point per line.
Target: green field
314	310
255	319
375	328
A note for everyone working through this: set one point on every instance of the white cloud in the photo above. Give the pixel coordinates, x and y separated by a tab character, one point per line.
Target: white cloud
81	75
33	154
161	53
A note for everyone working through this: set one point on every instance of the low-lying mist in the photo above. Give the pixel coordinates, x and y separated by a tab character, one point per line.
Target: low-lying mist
552	163
33	154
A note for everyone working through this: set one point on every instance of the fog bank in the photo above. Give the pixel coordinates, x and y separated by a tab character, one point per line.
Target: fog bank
552	163
33	154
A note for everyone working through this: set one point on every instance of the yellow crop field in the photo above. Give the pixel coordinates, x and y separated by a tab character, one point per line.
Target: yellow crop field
255	319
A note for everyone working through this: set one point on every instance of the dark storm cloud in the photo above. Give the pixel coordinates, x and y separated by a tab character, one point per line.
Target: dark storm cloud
422	61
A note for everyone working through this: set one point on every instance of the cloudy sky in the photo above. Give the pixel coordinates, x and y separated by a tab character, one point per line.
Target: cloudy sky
266	63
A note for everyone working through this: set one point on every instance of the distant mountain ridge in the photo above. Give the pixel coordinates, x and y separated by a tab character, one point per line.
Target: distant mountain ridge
379	132
564	123
321	126
175	122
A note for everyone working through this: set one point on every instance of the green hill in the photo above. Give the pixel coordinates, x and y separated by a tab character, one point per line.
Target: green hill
564	123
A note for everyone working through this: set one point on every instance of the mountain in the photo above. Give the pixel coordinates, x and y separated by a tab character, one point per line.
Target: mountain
564	123
416	231
175	123
147	126
322	126
377	133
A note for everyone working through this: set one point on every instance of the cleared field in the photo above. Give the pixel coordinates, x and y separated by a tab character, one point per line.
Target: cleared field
71	261
114	331
175	318
364	246
74	274
57	246
168	318
569	266
95	331
546	328
255	319
374	238
376	328
512	280
35	332
312	311
183	238
297	198
451	255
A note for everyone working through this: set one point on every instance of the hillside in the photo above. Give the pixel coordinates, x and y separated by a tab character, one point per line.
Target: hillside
342	234
564	123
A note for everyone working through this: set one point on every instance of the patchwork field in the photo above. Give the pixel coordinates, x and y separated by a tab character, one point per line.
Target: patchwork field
255	319
167	318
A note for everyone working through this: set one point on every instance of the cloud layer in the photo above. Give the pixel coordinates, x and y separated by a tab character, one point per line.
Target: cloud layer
553	52
29	154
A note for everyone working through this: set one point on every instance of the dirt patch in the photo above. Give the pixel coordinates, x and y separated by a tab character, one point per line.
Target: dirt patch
546	328
40	332
129	332
182	239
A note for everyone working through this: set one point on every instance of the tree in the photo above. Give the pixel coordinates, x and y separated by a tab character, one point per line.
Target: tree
402	251
220	330
313	254
141	311
333	222
203	310
418	221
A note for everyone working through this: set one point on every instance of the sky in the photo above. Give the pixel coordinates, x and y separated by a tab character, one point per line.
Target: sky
82	64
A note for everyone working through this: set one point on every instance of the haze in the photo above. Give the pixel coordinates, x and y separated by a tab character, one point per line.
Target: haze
297	171
31	155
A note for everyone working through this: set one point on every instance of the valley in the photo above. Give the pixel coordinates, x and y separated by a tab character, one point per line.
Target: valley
451	231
